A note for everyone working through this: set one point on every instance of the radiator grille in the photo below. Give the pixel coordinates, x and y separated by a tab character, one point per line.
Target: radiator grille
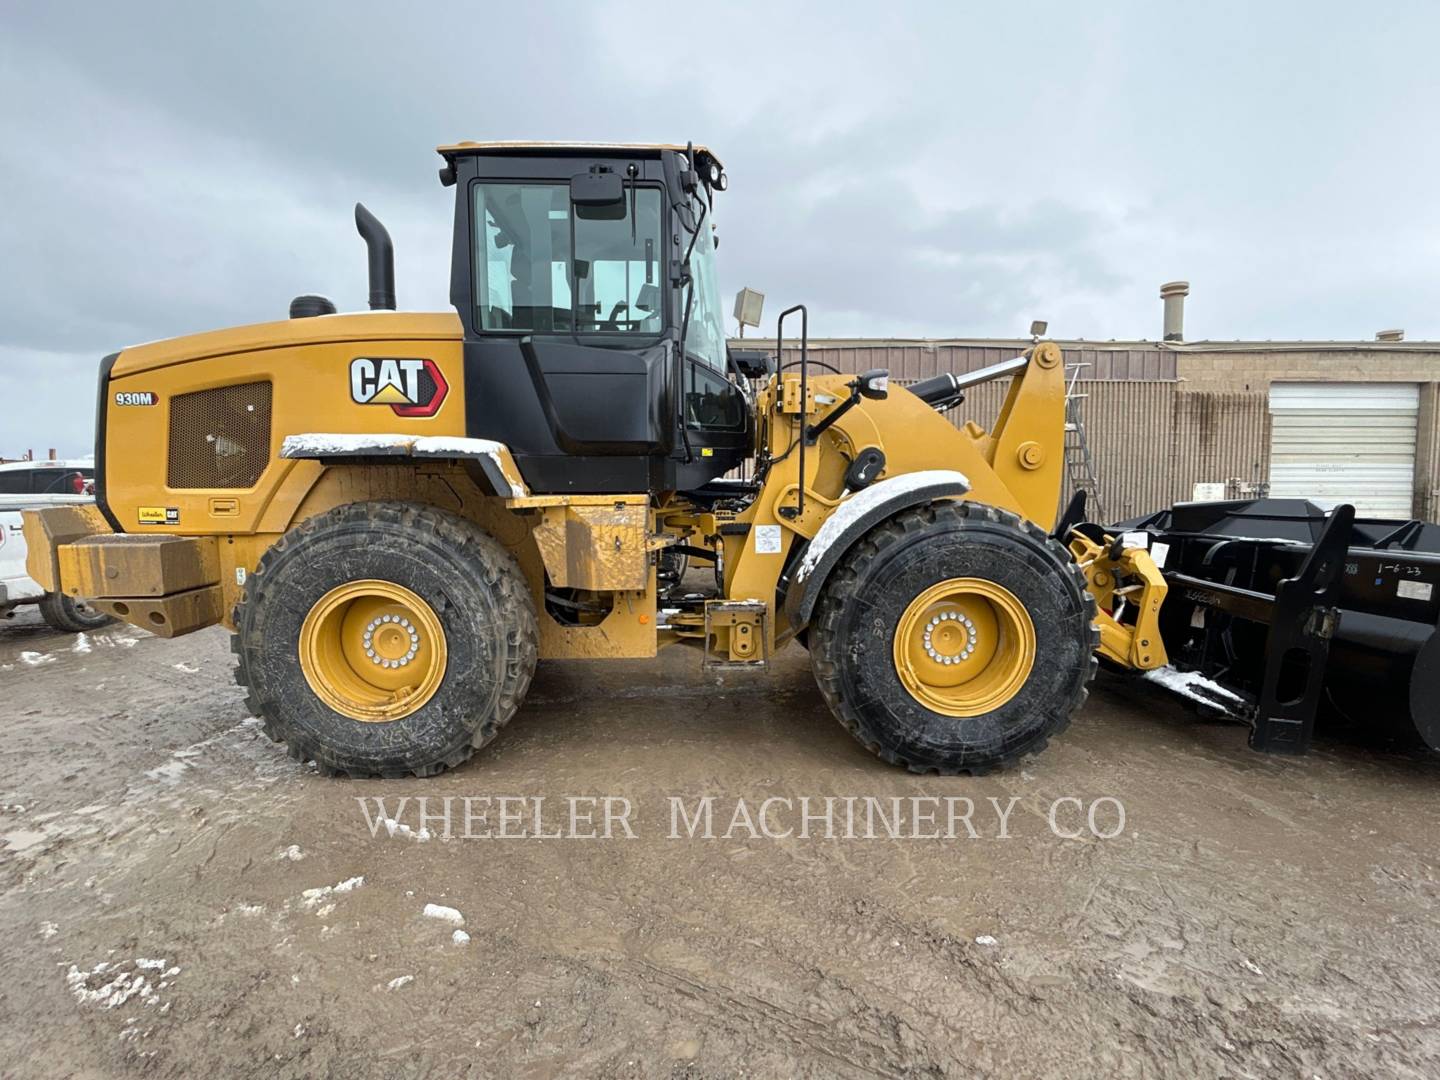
220	438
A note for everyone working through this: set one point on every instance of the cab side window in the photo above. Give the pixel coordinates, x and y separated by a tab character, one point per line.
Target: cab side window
547	267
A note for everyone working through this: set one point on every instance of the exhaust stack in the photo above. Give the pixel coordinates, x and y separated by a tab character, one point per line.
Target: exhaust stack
382	259
1174	293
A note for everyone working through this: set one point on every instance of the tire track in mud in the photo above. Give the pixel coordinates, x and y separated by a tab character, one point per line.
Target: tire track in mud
1257	919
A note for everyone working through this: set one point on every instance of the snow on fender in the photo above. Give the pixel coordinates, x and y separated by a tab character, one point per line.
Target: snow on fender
855	516
859	504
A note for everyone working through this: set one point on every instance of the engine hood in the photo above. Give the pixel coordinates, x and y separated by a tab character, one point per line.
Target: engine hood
322	329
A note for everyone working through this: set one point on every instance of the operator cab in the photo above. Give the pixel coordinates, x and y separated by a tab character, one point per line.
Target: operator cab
594	340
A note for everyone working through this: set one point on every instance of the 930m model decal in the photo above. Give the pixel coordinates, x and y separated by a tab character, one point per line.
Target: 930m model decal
137	397
409	387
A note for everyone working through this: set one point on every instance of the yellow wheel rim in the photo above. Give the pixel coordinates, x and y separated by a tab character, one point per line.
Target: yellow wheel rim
372	650
964	647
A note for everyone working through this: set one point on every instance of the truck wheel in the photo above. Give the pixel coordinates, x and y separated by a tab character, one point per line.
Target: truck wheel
954	638
71	616
385	639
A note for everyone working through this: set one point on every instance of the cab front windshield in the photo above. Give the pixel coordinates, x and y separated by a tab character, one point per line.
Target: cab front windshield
545	266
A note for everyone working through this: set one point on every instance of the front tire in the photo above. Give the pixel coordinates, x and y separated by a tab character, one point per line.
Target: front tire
954	638
385	639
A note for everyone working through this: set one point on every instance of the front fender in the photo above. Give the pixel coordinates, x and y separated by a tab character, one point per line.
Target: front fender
851	520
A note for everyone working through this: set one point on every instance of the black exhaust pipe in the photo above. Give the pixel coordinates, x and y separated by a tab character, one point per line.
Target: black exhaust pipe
382	259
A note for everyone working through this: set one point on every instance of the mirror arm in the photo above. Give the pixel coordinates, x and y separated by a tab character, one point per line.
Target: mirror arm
814	433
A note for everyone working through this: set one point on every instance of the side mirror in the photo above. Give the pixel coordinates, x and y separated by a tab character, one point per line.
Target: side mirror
597	189
874	383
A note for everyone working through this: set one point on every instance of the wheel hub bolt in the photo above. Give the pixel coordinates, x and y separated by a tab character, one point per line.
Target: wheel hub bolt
400	626
941	620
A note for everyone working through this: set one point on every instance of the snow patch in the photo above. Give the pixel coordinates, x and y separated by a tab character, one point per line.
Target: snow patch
449	444
399	828
460	937
986	939
330	444
1193	685
188	669
443	913
399	981
35	659
291	853
48	930
114	638
857	505
108	985
82	643
313	897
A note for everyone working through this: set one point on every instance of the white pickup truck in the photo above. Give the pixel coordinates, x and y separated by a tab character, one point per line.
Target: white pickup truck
25	485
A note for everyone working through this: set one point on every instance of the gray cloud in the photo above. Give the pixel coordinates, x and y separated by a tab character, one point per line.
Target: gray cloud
917	169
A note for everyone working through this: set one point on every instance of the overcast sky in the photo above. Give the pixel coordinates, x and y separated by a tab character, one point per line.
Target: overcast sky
904	169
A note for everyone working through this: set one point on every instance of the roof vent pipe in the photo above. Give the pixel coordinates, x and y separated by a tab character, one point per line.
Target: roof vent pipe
382	259
1390	335
1174	293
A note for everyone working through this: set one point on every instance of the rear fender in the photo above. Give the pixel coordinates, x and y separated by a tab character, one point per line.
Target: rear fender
494	459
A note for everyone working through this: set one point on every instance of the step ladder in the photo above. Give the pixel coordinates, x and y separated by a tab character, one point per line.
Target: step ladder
1079	463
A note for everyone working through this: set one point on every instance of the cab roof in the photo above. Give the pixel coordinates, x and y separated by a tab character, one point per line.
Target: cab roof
515	146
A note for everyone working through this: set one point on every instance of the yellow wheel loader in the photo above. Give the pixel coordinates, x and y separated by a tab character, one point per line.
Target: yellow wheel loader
398	514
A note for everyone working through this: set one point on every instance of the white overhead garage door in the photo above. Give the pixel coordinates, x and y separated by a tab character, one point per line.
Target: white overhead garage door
1345	442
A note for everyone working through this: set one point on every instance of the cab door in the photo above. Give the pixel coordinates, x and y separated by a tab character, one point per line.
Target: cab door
715	409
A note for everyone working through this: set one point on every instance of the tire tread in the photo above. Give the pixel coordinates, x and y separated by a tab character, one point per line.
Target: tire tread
825	627
491	562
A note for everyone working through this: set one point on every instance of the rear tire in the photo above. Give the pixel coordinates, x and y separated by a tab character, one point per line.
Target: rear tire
71	616
473	622
1010	574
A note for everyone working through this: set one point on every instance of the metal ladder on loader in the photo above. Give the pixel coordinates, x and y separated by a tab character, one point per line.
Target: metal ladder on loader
1079	463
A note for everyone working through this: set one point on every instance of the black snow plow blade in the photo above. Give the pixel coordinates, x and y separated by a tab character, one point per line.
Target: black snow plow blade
1276	607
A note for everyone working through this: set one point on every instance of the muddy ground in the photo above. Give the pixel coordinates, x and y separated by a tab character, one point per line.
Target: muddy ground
179	898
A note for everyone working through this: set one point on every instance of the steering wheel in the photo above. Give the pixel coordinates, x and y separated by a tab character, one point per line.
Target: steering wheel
613	323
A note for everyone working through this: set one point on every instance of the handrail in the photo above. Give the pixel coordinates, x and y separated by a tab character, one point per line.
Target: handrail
804	384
